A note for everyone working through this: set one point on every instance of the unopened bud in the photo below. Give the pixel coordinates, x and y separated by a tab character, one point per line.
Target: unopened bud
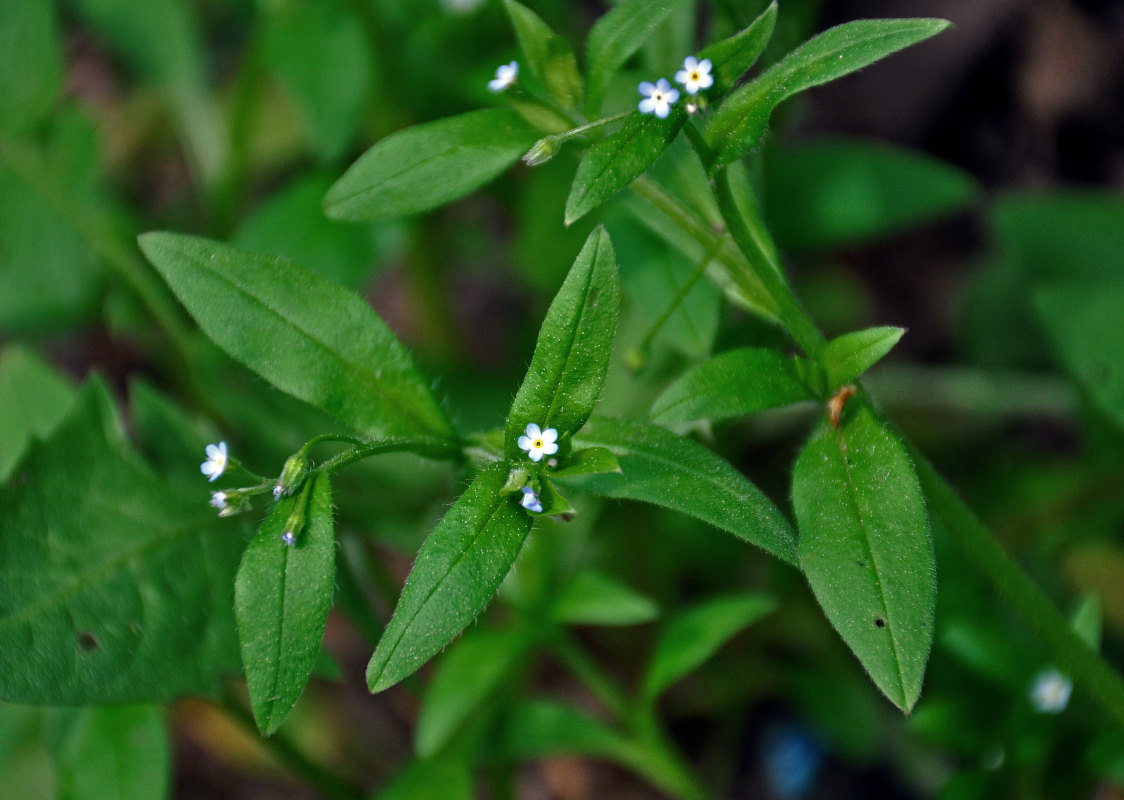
292	476
541	151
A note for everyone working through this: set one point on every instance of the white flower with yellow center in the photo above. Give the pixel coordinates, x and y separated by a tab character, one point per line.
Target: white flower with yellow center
538	442
658	98
1050	691
216	461
695	75
506	75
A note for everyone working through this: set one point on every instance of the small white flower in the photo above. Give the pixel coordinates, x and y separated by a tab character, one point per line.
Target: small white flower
695	75
658	98
215	464
531	500
289	538
506	74
218	500
692	108
1050	691
538	442
278	490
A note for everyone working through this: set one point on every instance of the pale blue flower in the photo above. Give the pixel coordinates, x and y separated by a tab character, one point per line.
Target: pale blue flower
658	98
538	442
531	500
1050	691
216	461
695	75
506	75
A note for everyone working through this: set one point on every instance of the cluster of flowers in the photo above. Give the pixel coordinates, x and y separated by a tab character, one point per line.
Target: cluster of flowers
537	443
659	97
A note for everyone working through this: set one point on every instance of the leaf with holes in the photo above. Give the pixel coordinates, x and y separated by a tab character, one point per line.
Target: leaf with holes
572	354
866	548
114	588
282	596
458	569
304	334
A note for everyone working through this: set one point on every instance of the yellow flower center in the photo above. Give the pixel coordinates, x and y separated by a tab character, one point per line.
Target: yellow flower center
695	75
537	444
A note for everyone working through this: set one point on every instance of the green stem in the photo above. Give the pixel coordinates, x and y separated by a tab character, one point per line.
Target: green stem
1067	649
327	783
431	447
591	673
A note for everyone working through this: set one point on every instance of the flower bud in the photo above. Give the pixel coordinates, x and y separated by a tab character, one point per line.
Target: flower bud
541	151
292	476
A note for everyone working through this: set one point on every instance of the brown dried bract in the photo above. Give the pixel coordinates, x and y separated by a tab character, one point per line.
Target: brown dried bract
836	403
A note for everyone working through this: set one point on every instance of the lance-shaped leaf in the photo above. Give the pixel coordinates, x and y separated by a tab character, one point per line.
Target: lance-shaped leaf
739	123
114	752
572	354
550	56
282	596
660	467
734	383
425	166
304	334
847	357
33	400
731	58
690	639
114	588
866	549
458	569
614	38
592	598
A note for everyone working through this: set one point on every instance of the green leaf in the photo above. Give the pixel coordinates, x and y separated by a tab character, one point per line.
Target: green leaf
847	357
614	38
572	354
425	166
33	400
30	62
430	780
1085	326
105	572
840	191
620	158
731	58
554	503
540	728
590	461
866	549
115	753
302	333
732	384
1088	621
740	121
320	53
592	598
458	569
550	56
282	596
677	473
693	637
465	678
291	224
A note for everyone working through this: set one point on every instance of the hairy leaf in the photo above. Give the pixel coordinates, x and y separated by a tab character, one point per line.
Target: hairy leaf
425	166
458	569
550	56
113	587
572	354
847	357
866	549
282	596
304	334
677	473
740	121
731	58
732	384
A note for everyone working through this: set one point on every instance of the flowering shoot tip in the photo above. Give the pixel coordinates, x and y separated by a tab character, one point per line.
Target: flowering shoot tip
538	442
695	75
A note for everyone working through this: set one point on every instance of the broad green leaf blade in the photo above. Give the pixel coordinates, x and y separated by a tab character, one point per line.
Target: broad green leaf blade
282	596
732	384
620	158
107	576
740	121
690	639
593	598
425	166
572	353
33	400
115	753
458	569
30	62
847	357
430	780
614	38
465	678
1085	326
731	58
677	473
841	191
304	334
550	56
321	55
590	461
866	549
